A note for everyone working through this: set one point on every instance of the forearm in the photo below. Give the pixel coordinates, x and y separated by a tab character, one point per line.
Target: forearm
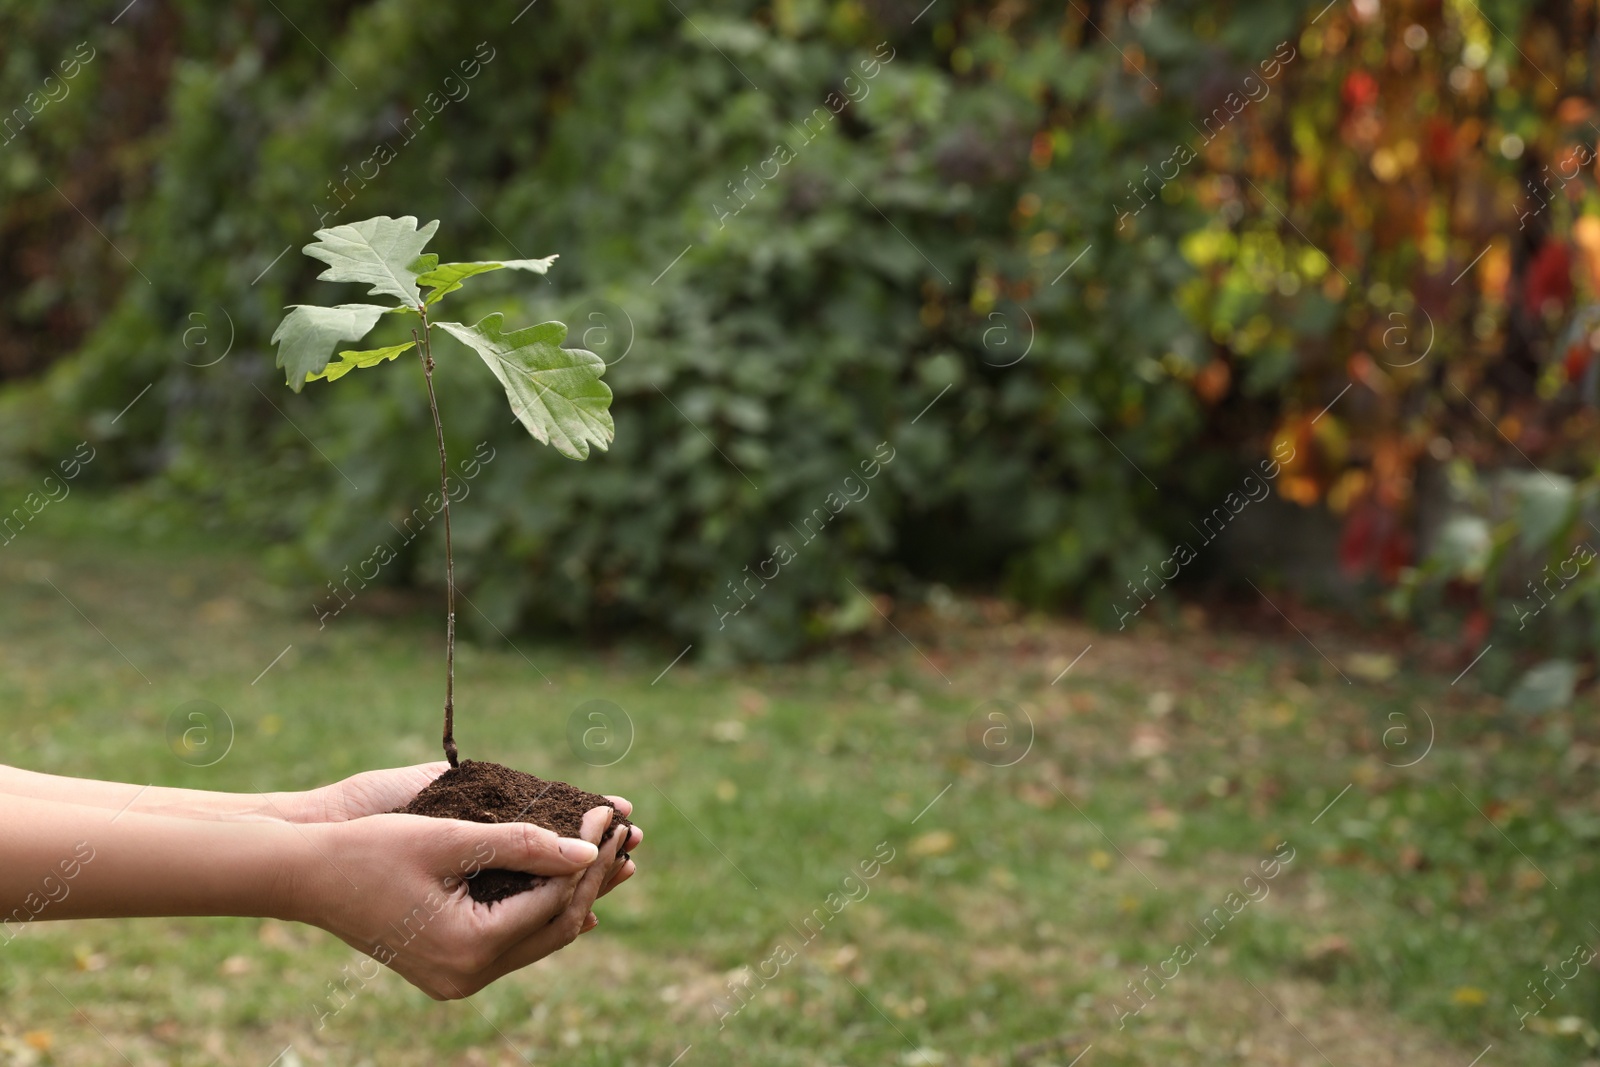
68	861
149	800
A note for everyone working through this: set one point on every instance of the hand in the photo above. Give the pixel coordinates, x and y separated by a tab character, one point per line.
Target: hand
368	793
376	793
391	886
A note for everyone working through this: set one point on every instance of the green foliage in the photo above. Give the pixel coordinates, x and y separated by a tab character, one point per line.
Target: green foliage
446	278
308	335
379	251
831	229
349	361
794	232
1515	556
556	392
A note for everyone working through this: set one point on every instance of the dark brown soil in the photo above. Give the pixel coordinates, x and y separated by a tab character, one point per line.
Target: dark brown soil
488	792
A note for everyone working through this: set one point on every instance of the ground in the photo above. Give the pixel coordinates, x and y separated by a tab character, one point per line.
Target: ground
1363	864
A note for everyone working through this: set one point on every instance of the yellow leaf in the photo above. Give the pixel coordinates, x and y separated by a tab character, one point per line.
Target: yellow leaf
936	843
1372	666
85	960
1469	996
234	966
1100	860
39	1040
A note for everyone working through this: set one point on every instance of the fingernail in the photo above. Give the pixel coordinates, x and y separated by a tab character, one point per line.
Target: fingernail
579	851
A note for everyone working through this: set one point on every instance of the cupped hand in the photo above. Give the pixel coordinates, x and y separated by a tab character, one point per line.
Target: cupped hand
378	792
368	793
391	886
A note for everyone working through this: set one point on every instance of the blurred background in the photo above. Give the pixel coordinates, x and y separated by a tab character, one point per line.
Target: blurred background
1204	395
1081	283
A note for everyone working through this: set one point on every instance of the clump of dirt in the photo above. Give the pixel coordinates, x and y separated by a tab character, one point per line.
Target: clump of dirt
487	792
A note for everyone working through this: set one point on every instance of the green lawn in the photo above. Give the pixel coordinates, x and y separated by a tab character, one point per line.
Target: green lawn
1167	767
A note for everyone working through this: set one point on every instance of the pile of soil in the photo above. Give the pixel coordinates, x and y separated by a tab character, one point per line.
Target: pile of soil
488	792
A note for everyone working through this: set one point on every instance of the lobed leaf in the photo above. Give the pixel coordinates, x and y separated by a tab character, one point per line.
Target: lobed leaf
447	278
308	335
555	392
380	252
349	361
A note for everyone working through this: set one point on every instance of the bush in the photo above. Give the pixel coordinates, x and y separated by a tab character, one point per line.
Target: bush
804	235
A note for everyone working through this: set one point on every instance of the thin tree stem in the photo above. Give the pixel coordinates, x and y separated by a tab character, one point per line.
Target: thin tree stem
425	353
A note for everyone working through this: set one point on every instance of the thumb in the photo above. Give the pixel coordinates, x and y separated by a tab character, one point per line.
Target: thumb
522	846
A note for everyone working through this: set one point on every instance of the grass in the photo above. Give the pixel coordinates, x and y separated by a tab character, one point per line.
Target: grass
1166	766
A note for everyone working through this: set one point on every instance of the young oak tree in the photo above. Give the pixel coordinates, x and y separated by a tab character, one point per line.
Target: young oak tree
556	392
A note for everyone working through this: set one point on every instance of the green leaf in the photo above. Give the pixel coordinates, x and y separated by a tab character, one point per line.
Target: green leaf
349	361
1464	548
1546	506
1546	687
556	392
447	278
379	252
308	335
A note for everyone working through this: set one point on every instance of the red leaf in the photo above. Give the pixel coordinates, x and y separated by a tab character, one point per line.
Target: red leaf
1549	278
1360	90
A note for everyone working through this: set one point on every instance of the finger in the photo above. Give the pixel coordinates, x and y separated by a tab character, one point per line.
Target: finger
560	931
623	805
533	915
590	923
509	922
623	874
632	841
596	821
605	869
512	846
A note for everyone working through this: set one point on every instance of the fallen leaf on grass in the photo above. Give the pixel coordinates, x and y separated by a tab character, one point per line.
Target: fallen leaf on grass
1529	879
1037	796
936	843
84	960
1148	742
1372	666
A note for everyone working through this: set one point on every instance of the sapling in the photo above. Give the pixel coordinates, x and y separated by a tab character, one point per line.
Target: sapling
555	392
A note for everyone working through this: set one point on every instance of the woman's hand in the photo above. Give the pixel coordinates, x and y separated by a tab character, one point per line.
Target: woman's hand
360	795
391	886
375	793
356	797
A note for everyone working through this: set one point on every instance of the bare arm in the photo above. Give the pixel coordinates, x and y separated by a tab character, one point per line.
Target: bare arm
153	799
69	861
360	795
389	885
